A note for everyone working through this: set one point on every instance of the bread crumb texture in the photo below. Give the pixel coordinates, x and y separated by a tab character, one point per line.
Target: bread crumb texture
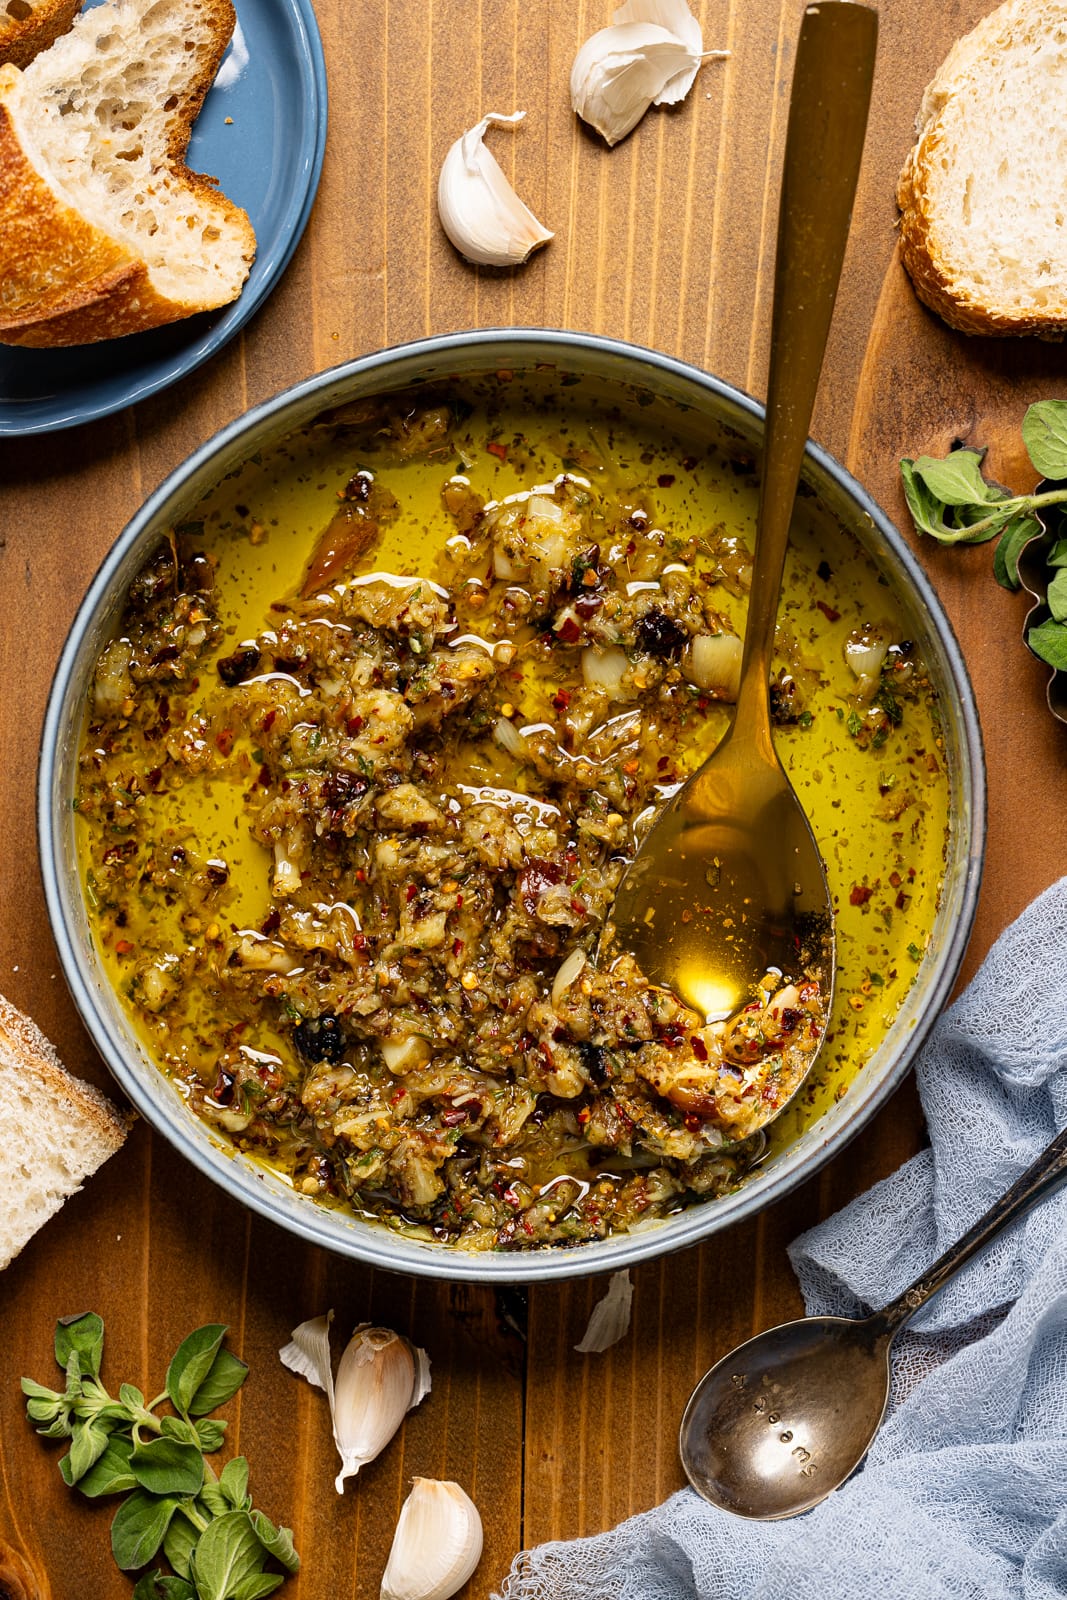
982	195
104	230
55	1130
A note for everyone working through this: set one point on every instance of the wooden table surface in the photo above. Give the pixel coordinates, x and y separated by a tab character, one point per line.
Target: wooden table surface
666	240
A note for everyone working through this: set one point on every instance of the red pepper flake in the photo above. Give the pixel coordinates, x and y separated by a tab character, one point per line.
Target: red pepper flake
457	946
412	892
561	699
123	947
268	721
700	1049
459	901
224	740
859	894
510	1198
395	1099
693	1122
498	450
828	611
550	1059
895	879
583	1115
353	725
569	631
901	900
578	908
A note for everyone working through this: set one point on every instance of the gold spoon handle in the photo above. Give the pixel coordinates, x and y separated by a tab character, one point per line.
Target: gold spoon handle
824	143
1045	1174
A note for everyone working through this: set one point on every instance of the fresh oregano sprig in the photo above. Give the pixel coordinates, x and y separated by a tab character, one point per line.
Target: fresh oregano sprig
951	500
217	1545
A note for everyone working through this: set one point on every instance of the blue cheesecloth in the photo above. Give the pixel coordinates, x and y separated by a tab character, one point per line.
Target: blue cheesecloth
963	1495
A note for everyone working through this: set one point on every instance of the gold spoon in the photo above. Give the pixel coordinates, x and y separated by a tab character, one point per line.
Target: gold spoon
783	1420
729	882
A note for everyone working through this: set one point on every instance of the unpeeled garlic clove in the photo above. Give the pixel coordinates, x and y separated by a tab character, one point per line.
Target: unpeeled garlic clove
437	1543
650	55
379	1379
479	210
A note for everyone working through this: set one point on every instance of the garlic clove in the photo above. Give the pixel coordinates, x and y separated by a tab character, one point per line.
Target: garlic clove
622	70
379	1378
676	17
437	1543
479	210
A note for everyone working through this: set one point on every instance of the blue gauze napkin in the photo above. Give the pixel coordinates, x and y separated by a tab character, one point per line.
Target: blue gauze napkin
964	1492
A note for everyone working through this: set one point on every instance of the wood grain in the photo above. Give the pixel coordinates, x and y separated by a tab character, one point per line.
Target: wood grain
667	241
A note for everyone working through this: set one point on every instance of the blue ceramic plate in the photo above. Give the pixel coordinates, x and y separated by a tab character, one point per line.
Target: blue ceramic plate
261	132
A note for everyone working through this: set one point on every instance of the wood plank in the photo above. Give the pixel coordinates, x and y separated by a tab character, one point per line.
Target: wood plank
666	241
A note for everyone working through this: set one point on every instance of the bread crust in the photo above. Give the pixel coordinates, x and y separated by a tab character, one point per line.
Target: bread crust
934	276
21	40
64	280
24	1049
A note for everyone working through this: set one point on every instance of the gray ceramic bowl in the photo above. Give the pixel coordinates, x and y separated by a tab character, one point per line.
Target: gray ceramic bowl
606	362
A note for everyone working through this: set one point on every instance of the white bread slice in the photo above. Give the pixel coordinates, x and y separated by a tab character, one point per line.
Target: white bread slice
983	194
54	1130
29	26
104	231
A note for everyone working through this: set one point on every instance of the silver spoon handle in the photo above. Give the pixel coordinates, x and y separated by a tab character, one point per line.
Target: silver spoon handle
1047	1171
824	142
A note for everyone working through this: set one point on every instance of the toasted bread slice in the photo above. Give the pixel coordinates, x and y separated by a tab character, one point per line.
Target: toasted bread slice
104	231
983	221
29	26
54	1130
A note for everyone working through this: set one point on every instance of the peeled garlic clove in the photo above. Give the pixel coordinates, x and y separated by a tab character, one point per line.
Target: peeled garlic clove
437	1543
379	1378
479	210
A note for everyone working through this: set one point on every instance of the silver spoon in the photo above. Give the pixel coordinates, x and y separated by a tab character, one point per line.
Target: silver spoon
729	882
783	1420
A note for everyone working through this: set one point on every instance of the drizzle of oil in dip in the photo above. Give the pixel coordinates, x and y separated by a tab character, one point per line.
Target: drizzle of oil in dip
873	787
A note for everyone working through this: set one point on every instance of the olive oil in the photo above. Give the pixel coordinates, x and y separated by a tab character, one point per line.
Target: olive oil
875	788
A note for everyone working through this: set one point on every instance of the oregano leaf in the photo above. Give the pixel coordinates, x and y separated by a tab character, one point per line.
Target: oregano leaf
957	480
1016	536
87	1445
138	1526
229	1553
179	1542
1044	430
81	1335
277	1541
1057	595
191	1363
1049	641
233	1481
168	1466
110	1474
163	1586
222	1382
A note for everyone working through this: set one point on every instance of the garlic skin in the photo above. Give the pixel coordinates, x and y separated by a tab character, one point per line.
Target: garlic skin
380	1378
610	1318
479	210
650	55
437	1543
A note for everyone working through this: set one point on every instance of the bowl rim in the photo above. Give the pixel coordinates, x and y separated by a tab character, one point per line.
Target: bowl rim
375	1244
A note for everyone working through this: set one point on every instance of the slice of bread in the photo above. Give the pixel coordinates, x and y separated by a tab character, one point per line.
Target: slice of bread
54	1130
29	26
104	231
983	222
